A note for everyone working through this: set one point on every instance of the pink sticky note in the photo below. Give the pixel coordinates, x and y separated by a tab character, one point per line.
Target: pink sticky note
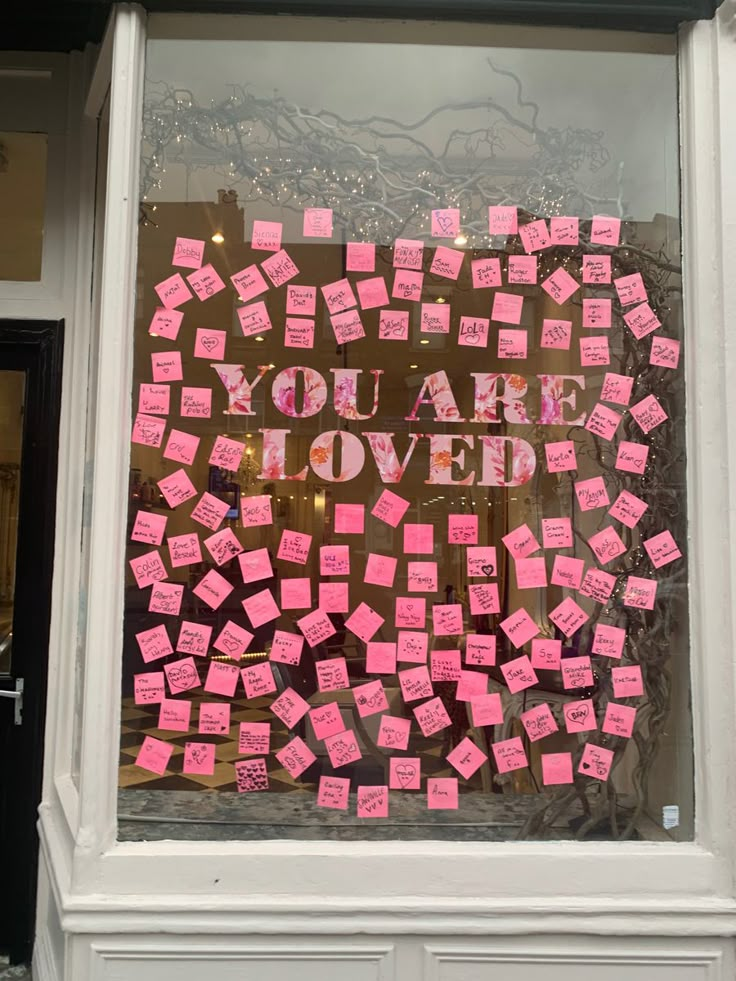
546	653
299	332
447	619
447	262
294	547
484	599
466	758
333	793
317	223
199	758
249	283
422	577
617	388
598	585
512	344
390	508
411	611
486	710
296	594
538	722
149	688
280	268
473	332
380	657
222	679
530	573
342	748
604	230
418	539
557	533
608	641
485	273
334	560
254	320
462	529
576	672
442	794
332	674
594	351
415	683
181	447
596	762
596	269
445	222
630	289
372	293
182	675
254	738
481	560
522	269
255	565
364	622
214	718
173	291
290	707
266	236
607	545
619	720
445	666
339	296
641	320
502	220
665	352
579	716
256	511
301	301
648	413
153	400
210	511
408	253
226	453
556	768
640	593
407	285
507	308
165	323
519	674
166	366
535	236
596	313
223	546
166	598
380	570
347	326
233	639
405	772
519	627
560	285
370	698
188	253
251	776
432	716
349	519
196	403
521	542
258	680
154	755
184	550
148	569
177	488
205	282
564	231
393	325
194	638
567	572
213	589
372	802
509	755
480	649
662	549
568	616
296	757
556	334
591	494
360	257
316	627
470	685
261	608
435	318
628	509
286	648
560	456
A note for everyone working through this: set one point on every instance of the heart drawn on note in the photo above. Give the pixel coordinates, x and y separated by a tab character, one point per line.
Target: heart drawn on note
405	773
487	570
182	678
578	715
209	343
445	222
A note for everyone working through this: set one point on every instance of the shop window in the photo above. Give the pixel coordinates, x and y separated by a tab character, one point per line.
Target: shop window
22	204
407	512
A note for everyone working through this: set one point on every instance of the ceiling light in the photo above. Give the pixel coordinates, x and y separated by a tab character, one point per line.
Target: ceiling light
218	238
413	365
424	341
461	239
440	299
260	338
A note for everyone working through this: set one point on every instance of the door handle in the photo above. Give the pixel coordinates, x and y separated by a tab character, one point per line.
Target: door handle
17	697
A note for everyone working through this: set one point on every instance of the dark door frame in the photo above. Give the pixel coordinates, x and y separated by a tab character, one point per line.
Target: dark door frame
36	348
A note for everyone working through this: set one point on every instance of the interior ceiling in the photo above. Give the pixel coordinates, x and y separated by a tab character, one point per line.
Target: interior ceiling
66	25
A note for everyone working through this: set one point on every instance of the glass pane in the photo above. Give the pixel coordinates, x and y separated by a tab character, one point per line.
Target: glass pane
460	456
12	387
22	204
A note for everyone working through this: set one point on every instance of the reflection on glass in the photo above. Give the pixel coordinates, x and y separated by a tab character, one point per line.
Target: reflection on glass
12	385
458	423
22	203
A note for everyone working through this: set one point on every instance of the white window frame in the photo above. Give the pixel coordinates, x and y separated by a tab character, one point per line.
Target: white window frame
419	887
